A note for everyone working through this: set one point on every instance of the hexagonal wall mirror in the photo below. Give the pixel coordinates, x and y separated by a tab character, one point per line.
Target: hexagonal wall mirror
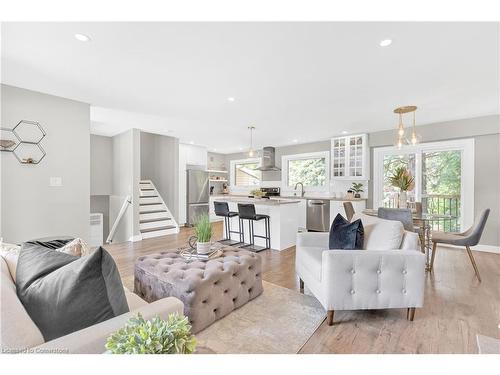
29	153
29	131
8	140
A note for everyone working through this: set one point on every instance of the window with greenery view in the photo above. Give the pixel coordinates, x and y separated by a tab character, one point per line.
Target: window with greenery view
440	181
246	174
441	186
391	163
311	172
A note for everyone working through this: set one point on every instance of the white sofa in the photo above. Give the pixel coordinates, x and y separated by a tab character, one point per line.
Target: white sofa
19	334
388	273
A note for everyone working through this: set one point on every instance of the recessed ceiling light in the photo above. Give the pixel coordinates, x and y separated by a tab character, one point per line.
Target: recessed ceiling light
295	141
230	99
344	131
385	43
191	142
82	37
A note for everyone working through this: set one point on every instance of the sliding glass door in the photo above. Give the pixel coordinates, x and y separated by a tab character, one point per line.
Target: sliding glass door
442	187
444	180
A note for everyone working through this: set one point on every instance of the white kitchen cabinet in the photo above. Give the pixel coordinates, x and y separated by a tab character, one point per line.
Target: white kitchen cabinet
350	158
337	207
302	213
195	155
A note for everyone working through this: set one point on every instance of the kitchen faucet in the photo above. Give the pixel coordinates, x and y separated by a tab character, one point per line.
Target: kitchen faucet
302	190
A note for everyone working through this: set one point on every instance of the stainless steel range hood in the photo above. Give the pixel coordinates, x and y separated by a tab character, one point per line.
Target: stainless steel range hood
267	162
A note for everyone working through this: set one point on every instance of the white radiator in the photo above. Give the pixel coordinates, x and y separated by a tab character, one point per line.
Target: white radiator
96	229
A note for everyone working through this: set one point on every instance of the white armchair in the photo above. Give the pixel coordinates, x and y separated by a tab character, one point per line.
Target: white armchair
388	273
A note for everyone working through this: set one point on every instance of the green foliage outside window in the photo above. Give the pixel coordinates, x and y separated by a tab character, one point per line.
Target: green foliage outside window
311	172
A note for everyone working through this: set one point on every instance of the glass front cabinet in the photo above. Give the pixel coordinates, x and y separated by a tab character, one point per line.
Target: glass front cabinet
350	158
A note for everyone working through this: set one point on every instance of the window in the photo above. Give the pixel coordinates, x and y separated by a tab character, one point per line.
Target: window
444	180
311	169
244	172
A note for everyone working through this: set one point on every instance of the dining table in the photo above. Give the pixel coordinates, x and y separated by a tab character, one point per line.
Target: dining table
424	222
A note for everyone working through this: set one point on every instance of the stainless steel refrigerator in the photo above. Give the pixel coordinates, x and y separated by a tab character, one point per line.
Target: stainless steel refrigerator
197	194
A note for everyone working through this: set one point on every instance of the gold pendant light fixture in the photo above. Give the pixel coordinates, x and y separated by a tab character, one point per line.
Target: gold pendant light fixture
251	151
401	138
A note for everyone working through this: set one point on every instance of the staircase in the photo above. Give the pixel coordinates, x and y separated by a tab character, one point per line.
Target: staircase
155	219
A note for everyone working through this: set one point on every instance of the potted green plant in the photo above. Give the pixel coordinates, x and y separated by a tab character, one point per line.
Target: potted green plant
203	234
257	193
404	181
155	336
357	188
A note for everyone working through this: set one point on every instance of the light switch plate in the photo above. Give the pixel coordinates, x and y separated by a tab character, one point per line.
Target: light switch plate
55	181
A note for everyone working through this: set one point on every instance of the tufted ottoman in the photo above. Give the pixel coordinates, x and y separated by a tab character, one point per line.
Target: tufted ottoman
209	290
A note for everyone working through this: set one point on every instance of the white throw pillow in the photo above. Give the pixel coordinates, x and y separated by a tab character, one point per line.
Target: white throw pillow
10	253
381	234
77	247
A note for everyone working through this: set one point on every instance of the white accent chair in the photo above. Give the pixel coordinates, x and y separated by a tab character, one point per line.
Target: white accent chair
388	273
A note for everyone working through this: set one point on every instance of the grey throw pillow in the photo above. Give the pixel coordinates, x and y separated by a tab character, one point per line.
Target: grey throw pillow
63	293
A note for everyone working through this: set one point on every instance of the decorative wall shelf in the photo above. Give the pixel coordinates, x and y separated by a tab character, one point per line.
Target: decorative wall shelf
8	140
29	153
24	141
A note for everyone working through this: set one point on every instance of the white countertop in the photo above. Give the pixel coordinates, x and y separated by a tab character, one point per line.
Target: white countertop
330	198
292	197
256	201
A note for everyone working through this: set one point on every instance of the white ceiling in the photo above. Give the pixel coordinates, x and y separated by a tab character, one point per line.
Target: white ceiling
292	81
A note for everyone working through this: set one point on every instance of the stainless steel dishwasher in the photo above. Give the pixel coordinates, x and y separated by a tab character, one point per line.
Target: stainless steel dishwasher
318	215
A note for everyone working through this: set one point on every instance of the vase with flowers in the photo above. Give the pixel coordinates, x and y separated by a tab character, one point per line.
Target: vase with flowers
404	181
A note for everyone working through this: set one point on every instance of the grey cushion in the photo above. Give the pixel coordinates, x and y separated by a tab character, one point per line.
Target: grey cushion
63	293
209	290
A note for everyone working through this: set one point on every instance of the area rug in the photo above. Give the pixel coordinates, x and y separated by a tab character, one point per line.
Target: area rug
279	321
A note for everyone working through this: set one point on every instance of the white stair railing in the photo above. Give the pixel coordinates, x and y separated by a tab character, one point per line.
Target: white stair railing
126	203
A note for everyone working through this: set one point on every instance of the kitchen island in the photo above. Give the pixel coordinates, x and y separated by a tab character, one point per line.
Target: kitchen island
283	213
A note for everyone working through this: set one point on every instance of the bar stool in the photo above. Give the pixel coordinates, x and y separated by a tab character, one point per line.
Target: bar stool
247	212
222	209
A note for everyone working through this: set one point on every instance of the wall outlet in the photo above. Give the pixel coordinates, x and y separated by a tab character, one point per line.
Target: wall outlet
55	181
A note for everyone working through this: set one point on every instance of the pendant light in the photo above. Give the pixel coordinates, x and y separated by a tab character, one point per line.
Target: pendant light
415	138
251	151
401	139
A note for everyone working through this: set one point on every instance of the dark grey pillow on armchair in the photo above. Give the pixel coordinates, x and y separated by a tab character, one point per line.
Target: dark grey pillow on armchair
345	235
63	293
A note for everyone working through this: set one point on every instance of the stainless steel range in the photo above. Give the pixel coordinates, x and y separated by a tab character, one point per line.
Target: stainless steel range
271	191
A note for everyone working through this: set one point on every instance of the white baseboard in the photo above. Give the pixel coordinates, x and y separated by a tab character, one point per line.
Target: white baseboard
135	238
485	248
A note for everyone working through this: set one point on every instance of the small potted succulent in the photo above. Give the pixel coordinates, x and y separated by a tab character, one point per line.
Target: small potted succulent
357	188
203	234
155	336
404	181
257	193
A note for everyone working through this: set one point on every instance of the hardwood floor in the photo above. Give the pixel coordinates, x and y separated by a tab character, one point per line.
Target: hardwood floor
456	307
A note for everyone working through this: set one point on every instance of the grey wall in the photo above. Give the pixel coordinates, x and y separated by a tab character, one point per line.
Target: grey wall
159	162
30	208
126	176
216	161
101	165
